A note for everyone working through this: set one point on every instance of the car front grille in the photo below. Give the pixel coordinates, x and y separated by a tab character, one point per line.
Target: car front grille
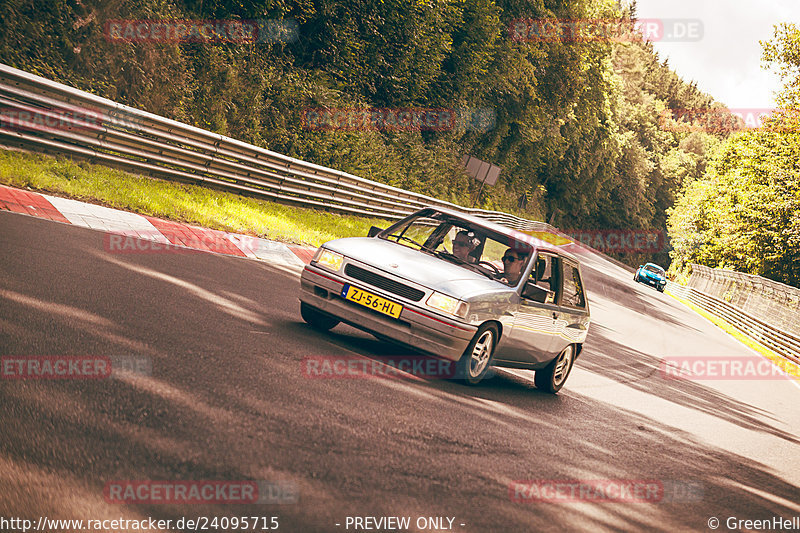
390	285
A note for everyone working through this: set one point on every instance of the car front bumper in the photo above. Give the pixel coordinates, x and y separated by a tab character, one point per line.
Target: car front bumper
417	326
653	282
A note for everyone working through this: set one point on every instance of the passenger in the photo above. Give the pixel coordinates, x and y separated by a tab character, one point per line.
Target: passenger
513	262
464	244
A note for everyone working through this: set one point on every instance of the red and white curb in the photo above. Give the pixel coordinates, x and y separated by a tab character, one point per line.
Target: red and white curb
134	226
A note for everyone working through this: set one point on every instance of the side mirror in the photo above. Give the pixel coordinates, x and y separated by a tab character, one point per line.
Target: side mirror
374	230
640	266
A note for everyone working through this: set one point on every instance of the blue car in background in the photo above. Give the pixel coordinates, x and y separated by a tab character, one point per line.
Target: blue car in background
652	275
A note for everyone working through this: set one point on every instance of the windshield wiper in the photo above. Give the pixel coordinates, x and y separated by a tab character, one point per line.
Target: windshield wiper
477	268
444	254
398	238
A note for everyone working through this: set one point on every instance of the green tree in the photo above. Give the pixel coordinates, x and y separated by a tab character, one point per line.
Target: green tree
744	213
577	126
783	52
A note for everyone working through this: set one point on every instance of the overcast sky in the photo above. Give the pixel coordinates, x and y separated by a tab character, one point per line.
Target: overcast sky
726	61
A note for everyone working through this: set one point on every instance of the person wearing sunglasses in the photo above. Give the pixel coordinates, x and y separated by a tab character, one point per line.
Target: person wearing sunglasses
513	262
463	245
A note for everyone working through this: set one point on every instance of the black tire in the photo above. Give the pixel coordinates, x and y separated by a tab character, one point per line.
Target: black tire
552	377
477	358
316	318
660	289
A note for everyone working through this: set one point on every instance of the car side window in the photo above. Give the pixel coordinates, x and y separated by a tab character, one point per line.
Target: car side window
573	295
544	277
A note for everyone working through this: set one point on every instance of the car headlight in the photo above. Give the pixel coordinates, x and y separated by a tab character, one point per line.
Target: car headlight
329	259
448	304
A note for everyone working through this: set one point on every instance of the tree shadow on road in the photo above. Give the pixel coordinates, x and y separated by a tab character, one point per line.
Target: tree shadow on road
646	373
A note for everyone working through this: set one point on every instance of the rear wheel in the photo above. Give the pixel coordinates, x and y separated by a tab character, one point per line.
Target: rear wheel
316	318
552	377
477	358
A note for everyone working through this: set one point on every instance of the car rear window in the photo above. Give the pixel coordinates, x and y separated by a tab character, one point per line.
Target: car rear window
572	295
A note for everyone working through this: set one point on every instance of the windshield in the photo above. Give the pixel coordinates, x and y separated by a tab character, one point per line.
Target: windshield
655	269
470	246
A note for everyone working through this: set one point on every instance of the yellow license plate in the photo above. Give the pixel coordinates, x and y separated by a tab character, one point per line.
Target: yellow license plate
367	299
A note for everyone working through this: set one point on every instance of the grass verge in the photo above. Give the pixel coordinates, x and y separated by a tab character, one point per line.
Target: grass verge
183	203
784	364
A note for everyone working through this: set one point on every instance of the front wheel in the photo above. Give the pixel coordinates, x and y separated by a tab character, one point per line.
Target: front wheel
315	318
474	364
552	377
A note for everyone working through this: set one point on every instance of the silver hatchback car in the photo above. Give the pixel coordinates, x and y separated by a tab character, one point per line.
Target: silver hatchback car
458	287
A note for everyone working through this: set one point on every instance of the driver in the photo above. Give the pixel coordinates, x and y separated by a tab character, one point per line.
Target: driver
464	244
513	262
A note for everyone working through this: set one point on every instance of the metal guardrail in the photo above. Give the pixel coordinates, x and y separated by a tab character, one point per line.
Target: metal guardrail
777	340
769	300
86	126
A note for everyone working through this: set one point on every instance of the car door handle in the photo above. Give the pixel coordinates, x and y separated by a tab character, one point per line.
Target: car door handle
555	315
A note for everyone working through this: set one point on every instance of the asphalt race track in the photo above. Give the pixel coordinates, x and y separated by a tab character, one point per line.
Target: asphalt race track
227	399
